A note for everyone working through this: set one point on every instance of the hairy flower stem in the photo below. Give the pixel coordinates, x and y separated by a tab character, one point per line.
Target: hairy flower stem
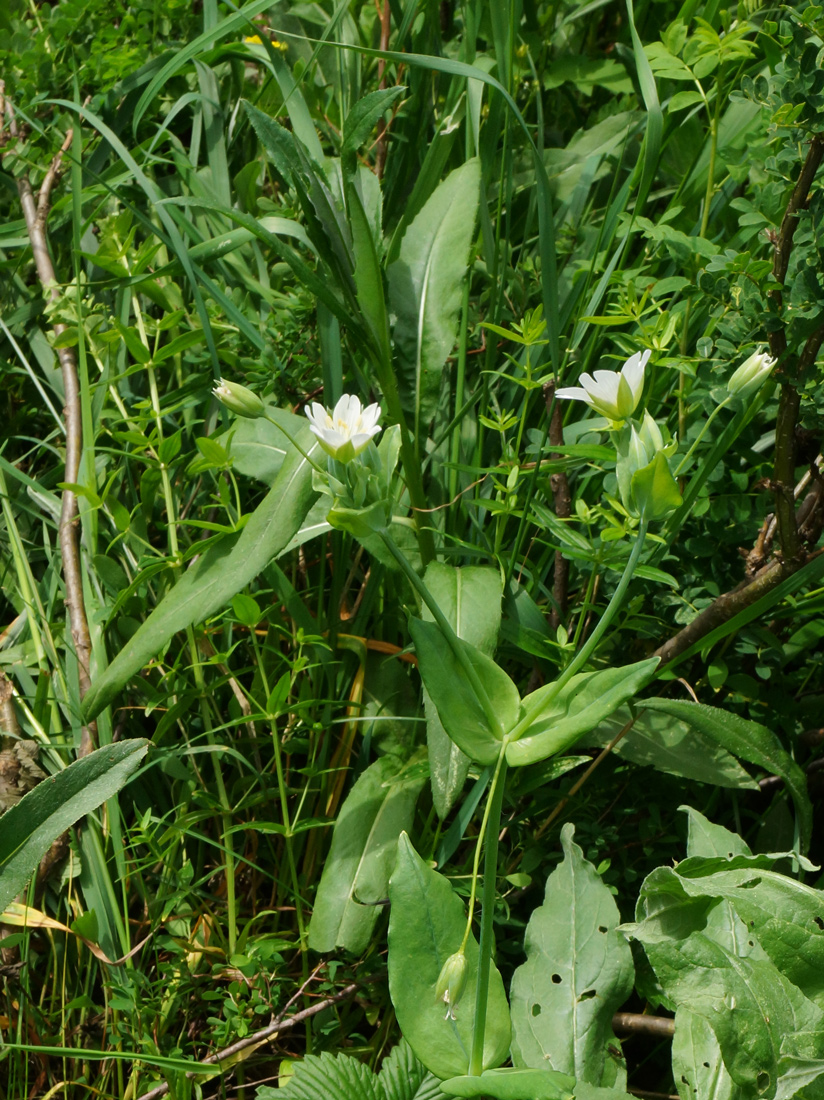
493	828
449	634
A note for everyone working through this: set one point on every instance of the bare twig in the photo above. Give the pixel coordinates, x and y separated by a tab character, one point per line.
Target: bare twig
639	1023
268	1032
808	523
35	213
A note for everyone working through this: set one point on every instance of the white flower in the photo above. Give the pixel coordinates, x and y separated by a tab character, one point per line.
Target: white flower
346	431
614	394
751	375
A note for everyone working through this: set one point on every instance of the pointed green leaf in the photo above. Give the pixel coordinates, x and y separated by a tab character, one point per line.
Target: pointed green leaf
356	872
454	698
660	741
425	287
750	741
368	274
470	599
426	925
28	829
654	489
561	718
209	585
578	972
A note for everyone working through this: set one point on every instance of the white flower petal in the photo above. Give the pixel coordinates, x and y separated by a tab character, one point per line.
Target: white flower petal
573	393
633	372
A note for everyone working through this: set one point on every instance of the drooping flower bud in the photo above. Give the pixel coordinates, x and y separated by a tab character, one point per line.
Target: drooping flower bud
452	982
751	375
238	399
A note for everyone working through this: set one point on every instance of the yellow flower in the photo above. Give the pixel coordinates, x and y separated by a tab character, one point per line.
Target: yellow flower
256	40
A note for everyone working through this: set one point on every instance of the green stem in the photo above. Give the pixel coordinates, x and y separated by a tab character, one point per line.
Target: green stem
476	862
592	641
685	460
493	828
225	805
449	634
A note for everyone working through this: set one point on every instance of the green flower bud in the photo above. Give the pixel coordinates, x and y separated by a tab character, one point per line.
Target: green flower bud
751	375
238	399
452	982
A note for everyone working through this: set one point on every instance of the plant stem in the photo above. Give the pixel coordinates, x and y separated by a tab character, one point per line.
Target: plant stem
592	641
449	634
478	845
493	828
685	460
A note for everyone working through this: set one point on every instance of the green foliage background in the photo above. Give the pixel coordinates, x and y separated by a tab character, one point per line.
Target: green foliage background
631	173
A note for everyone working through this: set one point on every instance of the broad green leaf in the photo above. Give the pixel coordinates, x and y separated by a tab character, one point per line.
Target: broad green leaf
258	447
403	1077
578	972
425	287
671	745
342	1077
28	829
785	916
327	1077
470	599
513	1084
454	698
209	585
697	1065
356	873
707	839
750	741
561	719
426	925
748	1004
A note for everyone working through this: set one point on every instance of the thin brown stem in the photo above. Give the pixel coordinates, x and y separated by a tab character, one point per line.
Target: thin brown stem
35	213
789	401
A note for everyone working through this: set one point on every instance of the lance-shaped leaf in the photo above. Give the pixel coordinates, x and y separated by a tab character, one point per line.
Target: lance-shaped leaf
578	972
750	741
659	741
28	829
562	717
221	573
425	287
454	697
355	877
470	599
426	926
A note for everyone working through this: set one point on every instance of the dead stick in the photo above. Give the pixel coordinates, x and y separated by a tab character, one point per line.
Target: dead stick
641	1024
35	213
